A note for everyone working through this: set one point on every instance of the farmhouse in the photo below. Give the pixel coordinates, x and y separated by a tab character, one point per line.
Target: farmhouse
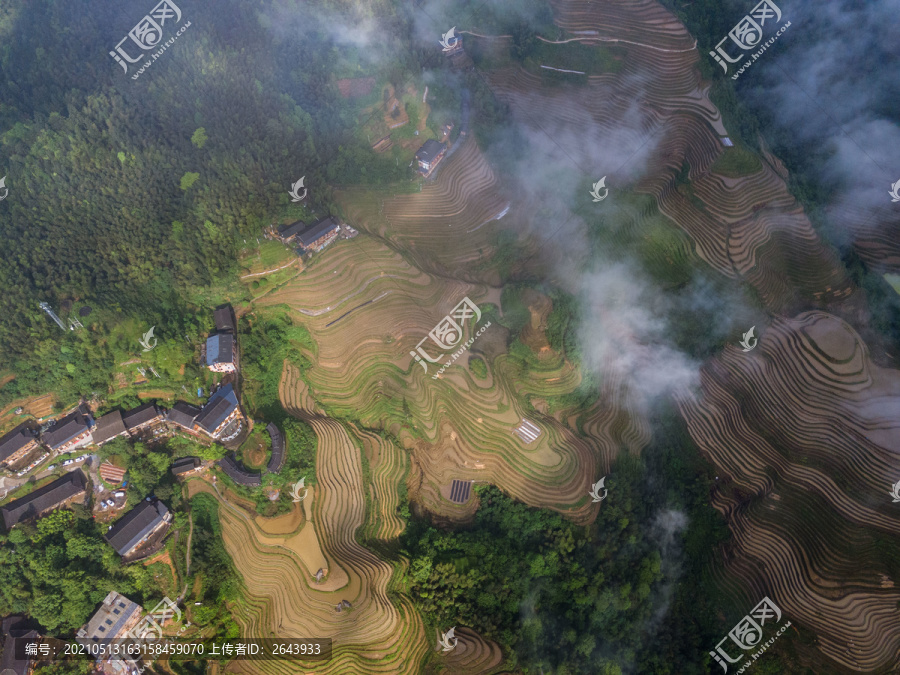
136	526
286	233
224	319
186	465
13	628
47	498
142	417
108	427
115	620
116	616
221	353
71	432
183	415
221	417
454	45
318	235
429	156
17	443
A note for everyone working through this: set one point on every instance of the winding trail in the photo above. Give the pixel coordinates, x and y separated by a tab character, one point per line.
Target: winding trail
628	42
277	269
586	37
319	312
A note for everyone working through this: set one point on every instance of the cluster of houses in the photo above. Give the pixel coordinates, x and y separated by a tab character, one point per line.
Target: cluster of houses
141	531
221	419
130	534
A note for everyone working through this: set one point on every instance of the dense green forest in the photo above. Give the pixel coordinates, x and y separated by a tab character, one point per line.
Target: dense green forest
211	564
570	599
59	569
134	195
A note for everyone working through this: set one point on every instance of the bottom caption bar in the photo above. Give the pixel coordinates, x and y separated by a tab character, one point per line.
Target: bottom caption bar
271	649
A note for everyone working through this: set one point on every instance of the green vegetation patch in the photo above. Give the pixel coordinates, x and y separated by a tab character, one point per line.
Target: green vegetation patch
736	162
58	570
478	367
268	338
220	584
254	452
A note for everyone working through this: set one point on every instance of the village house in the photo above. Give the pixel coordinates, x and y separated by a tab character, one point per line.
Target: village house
186	465
115	620
16	444
14	627
142	417
223	316
454	45
71	432
429	156
134	528
318	235
221	417
183	415
287	233
51	496
116	617
221	353
109	426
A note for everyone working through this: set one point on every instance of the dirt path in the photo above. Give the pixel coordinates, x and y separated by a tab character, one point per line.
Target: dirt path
277	269
603	39
187	562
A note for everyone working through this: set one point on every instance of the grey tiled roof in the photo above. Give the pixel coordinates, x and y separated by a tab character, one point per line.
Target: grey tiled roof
318	230
15	440
44	498
109	426
135	525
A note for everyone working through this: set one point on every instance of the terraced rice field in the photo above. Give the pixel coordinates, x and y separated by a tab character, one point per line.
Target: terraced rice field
803	490
805	433
803	487
462	425
279	562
